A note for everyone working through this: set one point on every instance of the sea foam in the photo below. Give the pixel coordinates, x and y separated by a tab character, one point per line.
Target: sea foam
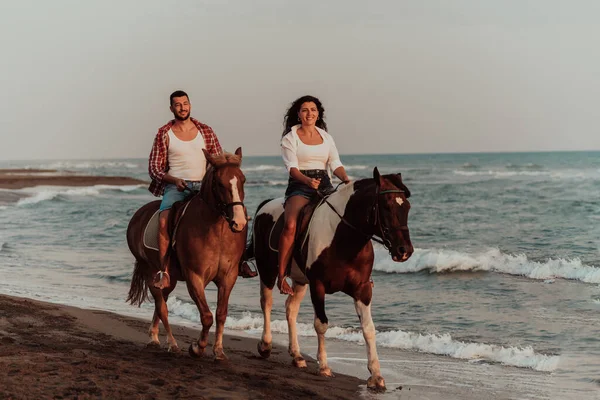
493	260
442	344
39	194
65	165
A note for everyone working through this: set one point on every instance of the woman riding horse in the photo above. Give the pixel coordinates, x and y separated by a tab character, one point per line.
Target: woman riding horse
307	150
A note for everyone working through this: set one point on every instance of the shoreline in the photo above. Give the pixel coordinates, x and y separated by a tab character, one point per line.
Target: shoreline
66	351
52	350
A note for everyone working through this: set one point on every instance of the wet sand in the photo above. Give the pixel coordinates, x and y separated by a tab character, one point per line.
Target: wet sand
23	178
56	351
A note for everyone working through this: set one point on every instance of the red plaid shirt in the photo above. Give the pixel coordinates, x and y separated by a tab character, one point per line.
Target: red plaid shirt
158	163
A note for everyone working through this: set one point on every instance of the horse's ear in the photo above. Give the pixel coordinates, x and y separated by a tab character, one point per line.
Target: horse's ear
377	176
238	152
397	180
208	156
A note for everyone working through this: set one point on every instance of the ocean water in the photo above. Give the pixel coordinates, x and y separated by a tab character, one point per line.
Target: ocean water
505	275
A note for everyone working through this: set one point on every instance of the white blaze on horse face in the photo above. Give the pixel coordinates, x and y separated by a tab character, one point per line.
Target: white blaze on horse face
325	222
238	211
399	201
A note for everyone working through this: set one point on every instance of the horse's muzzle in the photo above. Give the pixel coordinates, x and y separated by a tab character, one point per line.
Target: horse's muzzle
402	254
235	227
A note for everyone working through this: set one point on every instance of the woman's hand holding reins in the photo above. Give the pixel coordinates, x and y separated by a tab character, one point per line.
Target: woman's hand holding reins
314	183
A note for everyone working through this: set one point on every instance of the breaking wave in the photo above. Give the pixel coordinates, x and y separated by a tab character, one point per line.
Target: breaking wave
40	194
66	165
493	260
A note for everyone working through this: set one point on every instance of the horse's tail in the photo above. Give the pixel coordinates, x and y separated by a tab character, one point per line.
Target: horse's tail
138	292
249	252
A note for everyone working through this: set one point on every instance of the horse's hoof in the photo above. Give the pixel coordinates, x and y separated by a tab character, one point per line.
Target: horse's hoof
326	372
376	383
174	349
264	349
153	345
299	362
220	356
195	351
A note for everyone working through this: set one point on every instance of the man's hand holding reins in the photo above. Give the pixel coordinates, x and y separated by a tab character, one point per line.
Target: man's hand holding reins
181	184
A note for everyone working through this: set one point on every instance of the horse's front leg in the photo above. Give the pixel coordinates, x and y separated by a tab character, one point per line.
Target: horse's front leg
222	303
292	306
195	287
362	303
317	295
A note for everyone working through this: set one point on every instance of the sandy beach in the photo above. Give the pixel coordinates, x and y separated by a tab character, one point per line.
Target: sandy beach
23	178
56	351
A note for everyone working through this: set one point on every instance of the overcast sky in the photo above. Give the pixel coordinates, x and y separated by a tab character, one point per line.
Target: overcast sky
91	79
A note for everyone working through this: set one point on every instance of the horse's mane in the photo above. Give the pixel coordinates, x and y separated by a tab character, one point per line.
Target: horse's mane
225	159
396	180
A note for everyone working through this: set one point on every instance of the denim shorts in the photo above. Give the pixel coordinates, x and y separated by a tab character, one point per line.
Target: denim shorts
297	188
172	195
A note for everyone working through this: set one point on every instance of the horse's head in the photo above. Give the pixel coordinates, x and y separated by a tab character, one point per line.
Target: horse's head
391	214
224	186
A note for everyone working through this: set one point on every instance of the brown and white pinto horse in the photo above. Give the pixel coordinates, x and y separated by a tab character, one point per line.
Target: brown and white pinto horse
210	241
336	255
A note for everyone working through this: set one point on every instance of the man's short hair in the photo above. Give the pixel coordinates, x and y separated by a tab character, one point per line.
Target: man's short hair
177	93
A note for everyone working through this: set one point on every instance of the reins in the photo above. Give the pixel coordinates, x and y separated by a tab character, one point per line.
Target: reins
385	241
220	205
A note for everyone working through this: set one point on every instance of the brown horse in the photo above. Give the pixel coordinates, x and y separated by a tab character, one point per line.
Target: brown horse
335	255
209	242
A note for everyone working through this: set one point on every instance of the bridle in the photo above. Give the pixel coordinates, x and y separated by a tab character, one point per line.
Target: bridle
383	228
220	205
223	207
377	223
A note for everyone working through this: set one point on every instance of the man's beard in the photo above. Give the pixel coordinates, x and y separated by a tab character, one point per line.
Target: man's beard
180	118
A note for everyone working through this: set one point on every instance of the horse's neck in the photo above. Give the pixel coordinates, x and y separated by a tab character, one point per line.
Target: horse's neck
340	198
356	206
347	205
207	194
325	222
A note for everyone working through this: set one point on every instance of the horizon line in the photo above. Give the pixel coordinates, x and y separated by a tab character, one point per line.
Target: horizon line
341	154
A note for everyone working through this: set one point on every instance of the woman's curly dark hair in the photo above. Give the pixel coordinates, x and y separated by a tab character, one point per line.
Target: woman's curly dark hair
291	116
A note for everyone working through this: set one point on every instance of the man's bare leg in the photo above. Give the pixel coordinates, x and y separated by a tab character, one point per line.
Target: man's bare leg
162	279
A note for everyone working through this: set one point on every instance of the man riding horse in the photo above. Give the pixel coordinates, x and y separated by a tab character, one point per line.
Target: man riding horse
177	166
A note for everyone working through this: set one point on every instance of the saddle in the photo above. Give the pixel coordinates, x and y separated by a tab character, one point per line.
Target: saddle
299	251
151	231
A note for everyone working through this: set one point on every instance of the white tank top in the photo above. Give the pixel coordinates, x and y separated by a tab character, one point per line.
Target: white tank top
186	159
312	156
